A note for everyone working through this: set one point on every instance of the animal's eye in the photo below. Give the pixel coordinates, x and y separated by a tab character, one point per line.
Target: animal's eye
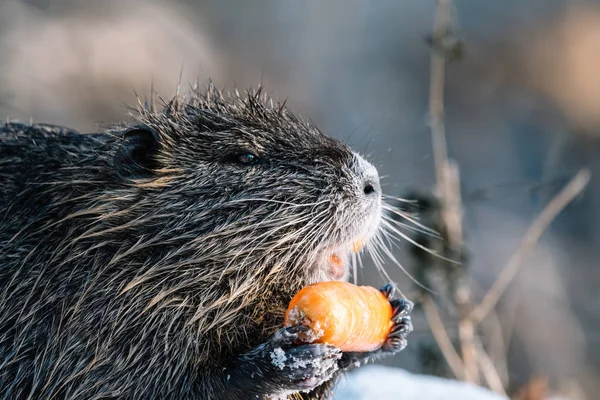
242	158
247	158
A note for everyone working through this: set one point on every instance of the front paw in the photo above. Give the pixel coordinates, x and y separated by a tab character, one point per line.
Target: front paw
304	367
281	367
396	339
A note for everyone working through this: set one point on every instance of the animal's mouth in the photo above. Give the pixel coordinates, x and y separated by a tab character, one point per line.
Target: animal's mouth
339	260
335	262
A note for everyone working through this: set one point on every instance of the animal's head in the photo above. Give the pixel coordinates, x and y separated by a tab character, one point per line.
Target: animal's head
274	191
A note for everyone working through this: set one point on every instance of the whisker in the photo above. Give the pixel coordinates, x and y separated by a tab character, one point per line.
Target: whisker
401	199
354	267
412	241
411	228
413	279
404	215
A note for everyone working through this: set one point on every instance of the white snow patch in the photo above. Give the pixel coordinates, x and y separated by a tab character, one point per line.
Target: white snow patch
387	383
313	333
278	358
297	317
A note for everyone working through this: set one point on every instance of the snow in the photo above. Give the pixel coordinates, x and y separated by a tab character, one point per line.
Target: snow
313	333
278	358
387	383
296	317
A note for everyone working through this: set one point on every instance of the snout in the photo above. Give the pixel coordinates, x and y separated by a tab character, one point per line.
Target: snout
367	179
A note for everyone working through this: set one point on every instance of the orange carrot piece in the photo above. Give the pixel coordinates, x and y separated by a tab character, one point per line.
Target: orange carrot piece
350	317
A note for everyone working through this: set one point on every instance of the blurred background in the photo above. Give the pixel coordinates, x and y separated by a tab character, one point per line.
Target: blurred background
522	117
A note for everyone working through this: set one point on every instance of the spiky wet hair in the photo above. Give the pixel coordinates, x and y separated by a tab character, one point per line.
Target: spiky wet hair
136	262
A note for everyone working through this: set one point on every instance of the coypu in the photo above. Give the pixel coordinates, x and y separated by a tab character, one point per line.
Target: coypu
157	260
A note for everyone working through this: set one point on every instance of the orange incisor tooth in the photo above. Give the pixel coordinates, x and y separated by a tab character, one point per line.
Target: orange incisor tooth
357	245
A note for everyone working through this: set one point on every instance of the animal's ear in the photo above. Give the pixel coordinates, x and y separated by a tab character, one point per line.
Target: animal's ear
136	155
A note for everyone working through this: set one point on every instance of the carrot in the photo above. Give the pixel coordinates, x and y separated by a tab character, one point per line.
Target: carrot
350	317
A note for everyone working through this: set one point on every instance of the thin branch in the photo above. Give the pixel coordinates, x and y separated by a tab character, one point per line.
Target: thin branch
495	333
497	347
441	337
489	370
466	334
436	95
530	239
448	186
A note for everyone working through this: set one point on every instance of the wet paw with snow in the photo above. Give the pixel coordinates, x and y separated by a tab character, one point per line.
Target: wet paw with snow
301	367
279	367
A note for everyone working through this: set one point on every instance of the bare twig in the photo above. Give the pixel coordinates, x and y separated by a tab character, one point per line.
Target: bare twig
466	334
452	213
448	187
531	237
441	337
495	333
489	370
452	217
492	328
436	95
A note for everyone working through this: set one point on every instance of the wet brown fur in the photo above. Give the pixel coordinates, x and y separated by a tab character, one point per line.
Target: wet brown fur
128	282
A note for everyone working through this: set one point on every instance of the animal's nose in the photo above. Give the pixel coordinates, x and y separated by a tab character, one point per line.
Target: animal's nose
371	186
367	178
370	181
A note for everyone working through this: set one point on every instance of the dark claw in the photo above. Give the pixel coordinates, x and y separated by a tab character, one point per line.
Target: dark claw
388	290
402	327
297	329
285	337
401	308
394	344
